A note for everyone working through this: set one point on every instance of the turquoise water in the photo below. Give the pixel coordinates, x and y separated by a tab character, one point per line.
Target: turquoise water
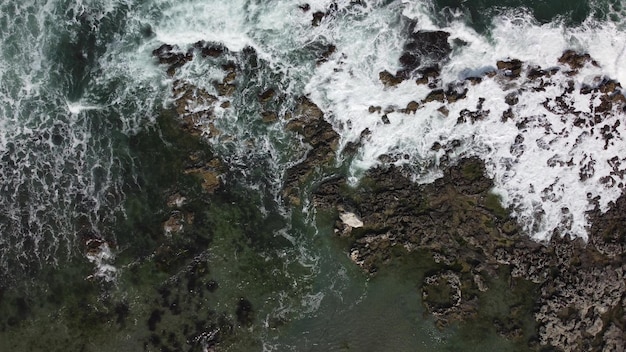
91	152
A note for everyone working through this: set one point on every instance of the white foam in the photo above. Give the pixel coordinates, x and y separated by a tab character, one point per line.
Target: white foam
185	23
77	107
543	198
101	257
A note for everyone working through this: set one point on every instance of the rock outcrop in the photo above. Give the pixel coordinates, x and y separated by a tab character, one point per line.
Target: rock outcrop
581	287
308	121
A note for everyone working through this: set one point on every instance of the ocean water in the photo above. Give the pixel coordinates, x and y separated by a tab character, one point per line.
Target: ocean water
87	154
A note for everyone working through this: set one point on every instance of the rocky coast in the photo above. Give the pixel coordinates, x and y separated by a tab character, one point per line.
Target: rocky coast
578	288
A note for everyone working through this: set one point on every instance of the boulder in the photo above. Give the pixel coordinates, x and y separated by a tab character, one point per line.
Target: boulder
576	60
424	47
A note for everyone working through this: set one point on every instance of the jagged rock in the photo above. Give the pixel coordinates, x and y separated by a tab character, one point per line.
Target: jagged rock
428	75
317	18
267	95
210	179
176	200
174	224
388	79
442	295
424	47
474	80
576	60
535	72
511	68
373	109
225	89
308	121
209	49
330	49
581	287
411	107
172	56
455	92
194	106
511	99
435	95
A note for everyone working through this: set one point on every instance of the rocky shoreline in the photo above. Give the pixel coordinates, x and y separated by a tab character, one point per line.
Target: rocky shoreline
579	288
204	253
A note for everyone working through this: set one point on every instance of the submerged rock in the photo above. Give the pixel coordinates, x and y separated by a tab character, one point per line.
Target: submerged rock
581	287
423	53
424	47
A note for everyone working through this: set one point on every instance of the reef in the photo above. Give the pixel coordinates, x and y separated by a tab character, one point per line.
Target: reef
578	287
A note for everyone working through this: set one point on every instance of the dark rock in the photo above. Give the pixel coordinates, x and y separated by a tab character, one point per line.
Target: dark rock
474	80
154	319
581	287
224	89
212	285
330	49
424	47
209	49
122	311
511	99
472	116
172	56
576	60
535	72
309	122
511	68
409	60
317	18
507	115
269	116
455	92
245	313
428	74
435	95
411	107
431	44
388	79
373	109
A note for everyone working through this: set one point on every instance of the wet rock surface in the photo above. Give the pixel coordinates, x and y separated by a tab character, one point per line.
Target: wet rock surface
308	121
579	288
422	55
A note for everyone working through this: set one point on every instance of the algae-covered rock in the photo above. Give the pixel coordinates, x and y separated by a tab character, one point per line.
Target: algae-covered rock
308	121
576	290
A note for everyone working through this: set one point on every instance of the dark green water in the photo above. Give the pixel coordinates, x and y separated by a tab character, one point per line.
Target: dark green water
246	271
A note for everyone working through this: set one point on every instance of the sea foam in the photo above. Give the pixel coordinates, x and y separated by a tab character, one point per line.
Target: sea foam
545	198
